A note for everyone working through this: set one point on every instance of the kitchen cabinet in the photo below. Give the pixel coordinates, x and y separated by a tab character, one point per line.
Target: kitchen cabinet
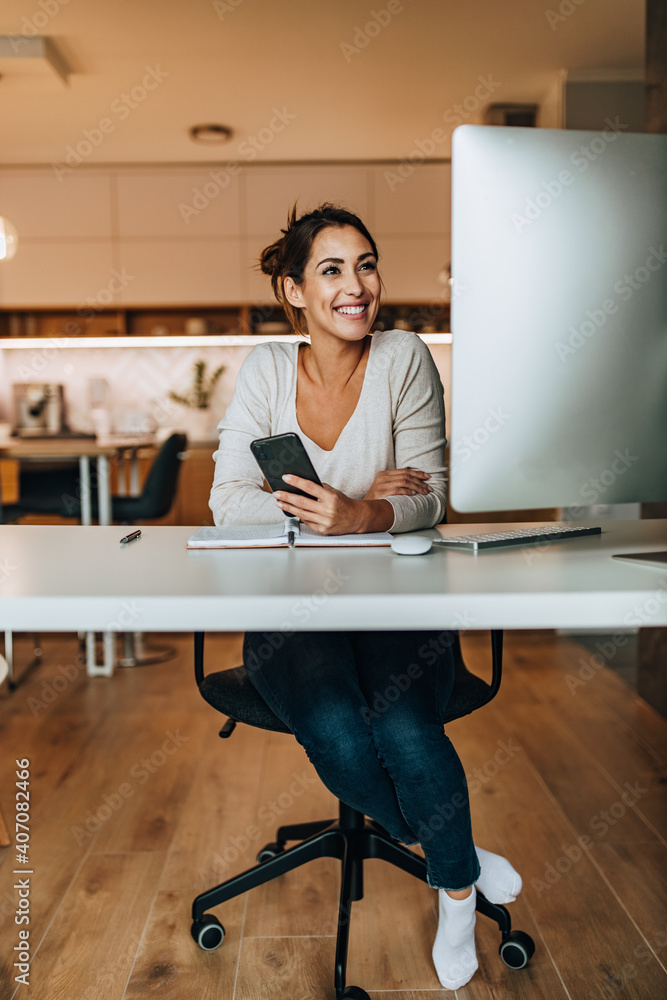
149	236
186	203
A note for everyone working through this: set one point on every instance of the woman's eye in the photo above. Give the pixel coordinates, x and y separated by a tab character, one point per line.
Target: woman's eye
370	265
332	269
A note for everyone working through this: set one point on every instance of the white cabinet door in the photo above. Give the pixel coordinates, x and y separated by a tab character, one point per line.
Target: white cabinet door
41	206
180	272
412	200
201	201
271	192
410	265
61	274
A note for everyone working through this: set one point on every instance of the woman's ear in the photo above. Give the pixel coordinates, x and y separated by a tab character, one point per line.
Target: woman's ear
292	292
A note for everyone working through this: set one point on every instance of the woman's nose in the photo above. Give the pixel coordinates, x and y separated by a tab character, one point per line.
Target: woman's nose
354	285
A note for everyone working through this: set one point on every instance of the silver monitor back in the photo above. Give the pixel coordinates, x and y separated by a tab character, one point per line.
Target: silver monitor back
559	318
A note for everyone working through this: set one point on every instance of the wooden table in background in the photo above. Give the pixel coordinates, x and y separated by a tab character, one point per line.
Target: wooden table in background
83	449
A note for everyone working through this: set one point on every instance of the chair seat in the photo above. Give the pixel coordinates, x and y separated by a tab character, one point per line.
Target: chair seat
469	693
231	693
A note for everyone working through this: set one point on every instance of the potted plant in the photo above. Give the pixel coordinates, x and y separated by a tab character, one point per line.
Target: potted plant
198	397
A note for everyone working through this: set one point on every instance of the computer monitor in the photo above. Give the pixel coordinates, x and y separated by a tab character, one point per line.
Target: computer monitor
559	318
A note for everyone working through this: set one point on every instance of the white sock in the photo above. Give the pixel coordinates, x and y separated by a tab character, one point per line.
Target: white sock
454	954
498	880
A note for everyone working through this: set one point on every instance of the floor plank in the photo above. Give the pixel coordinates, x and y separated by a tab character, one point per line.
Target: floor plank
286	968
169	964
103	915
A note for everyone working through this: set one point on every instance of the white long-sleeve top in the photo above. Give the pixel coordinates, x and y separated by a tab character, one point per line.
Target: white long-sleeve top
399	422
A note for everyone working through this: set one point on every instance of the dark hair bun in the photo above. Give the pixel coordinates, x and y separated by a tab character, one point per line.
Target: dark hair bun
269	258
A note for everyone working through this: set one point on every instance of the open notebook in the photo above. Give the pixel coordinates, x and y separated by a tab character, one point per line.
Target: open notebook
243	536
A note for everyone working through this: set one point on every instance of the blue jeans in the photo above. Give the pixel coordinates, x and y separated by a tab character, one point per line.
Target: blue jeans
367	707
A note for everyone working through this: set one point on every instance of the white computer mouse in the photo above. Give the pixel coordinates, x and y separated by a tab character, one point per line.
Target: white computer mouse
411	545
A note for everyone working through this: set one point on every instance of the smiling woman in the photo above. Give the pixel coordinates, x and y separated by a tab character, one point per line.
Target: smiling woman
370	412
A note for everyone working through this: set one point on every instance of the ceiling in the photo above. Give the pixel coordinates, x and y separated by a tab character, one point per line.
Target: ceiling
295	80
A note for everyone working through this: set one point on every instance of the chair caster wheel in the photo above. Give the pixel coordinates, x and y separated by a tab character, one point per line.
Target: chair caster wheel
208	932
517	949
270	851
353	993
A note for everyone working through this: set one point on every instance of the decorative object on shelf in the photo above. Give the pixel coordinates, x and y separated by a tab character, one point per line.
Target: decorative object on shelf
273	328
199	394
8	239
198	421
195	326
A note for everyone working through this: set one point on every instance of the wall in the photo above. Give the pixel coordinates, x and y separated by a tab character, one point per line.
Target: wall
139	379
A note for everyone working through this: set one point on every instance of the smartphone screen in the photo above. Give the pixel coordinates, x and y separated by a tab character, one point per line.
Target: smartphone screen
282	455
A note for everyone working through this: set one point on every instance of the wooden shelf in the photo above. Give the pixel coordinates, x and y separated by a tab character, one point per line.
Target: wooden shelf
123	326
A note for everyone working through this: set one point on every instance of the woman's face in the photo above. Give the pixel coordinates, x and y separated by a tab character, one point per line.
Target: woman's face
340	291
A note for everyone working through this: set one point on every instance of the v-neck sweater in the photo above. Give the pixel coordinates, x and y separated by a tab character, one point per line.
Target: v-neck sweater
398	422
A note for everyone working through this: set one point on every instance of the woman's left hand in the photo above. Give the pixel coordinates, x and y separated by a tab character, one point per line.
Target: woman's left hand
331	513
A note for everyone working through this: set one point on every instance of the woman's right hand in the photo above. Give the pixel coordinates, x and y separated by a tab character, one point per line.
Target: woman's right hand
398	482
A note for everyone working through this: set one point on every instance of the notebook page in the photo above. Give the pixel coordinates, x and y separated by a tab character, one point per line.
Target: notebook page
238	536
310	537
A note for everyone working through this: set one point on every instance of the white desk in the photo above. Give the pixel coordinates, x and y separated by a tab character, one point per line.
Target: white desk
57	578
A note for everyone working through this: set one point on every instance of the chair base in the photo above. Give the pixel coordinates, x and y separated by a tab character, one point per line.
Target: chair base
352	840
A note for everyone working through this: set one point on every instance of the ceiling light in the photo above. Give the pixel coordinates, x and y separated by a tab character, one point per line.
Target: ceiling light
8	240
210	134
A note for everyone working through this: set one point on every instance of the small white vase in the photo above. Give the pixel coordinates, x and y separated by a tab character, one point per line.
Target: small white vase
201	425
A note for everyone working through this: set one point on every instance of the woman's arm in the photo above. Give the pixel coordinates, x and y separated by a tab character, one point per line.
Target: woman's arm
236	495
419	435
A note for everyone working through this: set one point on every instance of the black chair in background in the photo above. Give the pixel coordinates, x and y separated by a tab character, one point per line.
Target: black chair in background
352	839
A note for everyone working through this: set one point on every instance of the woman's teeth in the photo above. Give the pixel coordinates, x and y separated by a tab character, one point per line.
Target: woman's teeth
350	310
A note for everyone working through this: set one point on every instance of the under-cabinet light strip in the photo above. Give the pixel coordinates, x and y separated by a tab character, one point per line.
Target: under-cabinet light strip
223	340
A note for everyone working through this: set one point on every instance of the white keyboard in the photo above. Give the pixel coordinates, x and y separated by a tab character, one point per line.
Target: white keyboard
518	536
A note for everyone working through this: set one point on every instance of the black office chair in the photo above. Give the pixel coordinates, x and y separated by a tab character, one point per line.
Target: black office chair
351	838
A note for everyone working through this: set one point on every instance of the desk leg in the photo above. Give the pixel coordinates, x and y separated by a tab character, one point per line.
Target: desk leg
106	668
121	490
104	489
84	483
134	474
9	656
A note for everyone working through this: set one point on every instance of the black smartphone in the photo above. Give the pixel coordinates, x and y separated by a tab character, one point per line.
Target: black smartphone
284	455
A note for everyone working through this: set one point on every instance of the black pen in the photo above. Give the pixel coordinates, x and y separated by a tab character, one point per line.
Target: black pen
292	530
130	538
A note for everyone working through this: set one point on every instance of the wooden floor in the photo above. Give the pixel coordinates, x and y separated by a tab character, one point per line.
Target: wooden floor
136	806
